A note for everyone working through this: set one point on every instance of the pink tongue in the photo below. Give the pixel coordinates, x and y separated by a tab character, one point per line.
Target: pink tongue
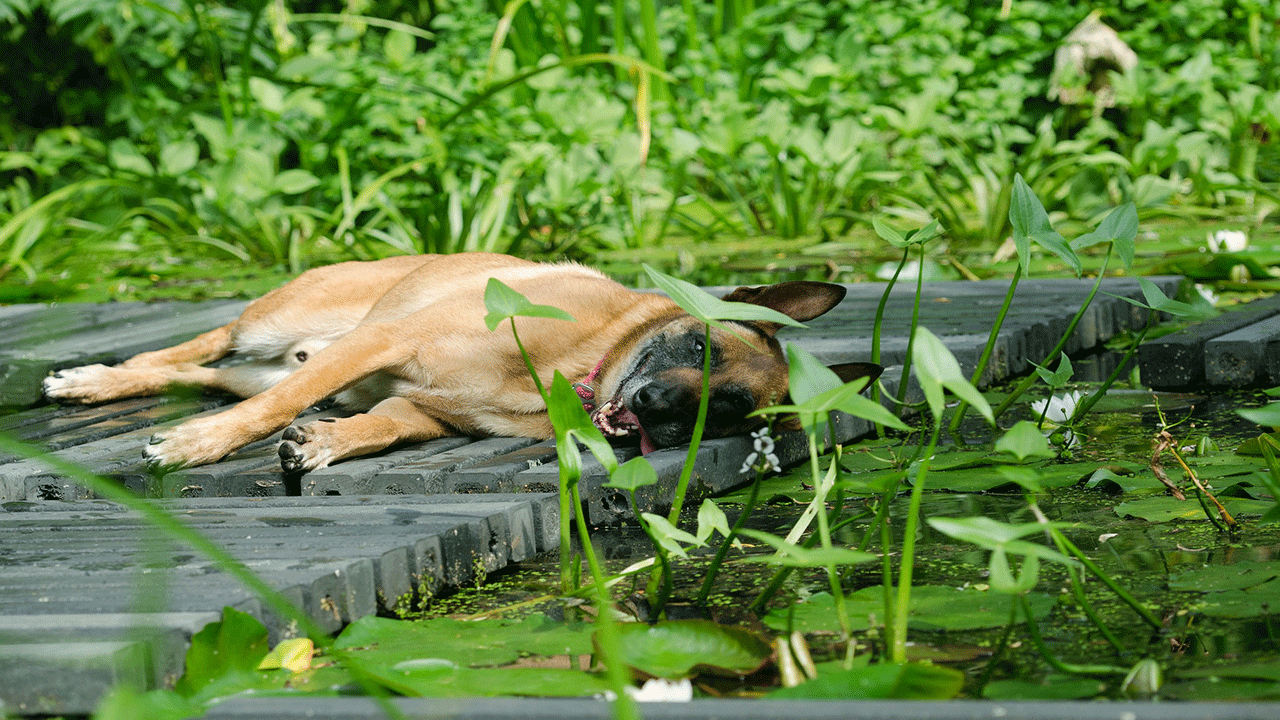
646	443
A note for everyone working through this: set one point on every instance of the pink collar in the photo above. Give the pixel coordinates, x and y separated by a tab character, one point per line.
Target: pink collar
584	389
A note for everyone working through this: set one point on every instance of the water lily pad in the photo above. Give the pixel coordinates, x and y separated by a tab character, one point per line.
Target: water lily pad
683	648
465	643
1218	578
1053	687
932	607
910	681
1168	509
1249	602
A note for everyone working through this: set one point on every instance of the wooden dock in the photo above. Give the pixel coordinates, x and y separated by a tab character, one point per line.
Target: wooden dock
352	539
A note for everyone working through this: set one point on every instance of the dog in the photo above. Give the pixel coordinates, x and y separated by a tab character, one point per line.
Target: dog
403	342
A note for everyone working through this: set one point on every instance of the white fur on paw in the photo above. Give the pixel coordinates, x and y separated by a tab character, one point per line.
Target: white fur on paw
299	453
77	383
195	442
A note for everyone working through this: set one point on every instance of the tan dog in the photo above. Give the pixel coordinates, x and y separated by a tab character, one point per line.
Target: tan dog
404	341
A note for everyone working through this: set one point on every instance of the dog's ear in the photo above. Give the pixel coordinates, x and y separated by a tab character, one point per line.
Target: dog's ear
799	300
848	372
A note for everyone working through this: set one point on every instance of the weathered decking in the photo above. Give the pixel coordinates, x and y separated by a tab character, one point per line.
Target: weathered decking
346	541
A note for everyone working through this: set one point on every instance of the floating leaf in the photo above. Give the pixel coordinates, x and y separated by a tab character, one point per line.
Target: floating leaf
908	681
683	648
235	644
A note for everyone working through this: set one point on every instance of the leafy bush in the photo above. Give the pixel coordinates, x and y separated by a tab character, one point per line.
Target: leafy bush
162	131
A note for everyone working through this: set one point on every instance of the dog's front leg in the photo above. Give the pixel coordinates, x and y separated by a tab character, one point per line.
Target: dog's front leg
358	354
319	443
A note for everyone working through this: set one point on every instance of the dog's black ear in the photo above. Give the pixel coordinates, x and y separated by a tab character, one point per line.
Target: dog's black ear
848	372
799	300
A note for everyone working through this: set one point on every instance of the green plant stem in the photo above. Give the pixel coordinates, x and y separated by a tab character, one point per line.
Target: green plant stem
963	408
1087	404
1120	592
906	566
824	535
607	637
1029	380
911	338
714	568
660	580
1077	587
1072	669
879	322
781	574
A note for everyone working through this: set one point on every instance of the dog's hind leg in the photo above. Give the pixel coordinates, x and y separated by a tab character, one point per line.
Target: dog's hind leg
319	443
149	373
353	357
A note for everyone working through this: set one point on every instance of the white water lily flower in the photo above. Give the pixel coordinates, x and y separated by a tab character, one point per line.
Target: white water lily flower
661	690
762	446
1060	407
1207	293
1227	241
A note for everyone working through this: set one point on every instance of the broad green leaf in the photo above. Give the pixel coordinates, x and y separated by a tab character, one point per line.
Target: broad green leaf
1053	687
1219	578
292	182
235	644
126	703
573	425
398	46
1120	227
1001	577
502	303
707	308
807	375
125	156
932	607
473	643
1056	378
936	368
712	519
178	157
1268	415
998	536
669	536
1031	224
683	648
633	475
910	681
824	393
1024	440
269	95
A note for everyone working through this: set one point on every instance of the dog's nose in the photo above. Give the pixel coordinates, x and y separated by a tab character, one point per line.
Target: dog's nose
659	397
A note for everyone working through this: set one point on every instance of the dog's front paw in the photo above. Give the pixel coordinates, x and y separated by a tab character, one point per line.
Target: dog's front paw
195	442
305	447
84	384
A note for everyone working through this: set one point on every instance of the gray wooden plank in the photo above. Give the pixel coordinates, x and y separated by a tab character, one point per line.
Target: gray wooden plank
1178	359
1239	358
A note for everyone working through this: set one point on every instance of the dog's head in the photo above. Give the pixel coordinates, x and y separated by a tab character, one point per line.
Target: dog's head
653	382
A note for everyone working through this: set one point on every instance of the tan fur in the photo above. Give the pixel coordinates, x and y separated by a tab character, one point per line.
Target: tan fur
404	340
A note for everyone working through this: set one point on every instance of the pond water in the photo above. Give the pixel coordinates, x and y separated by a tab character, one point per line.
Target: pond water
1214	593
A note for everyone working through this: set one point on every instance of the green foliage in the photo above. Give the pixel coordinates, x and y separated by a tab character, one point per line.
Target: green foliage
165	131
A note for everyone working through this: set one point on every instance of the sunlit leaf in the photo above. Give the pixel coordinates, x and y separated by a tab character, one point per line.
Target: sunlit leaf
1024	440
1031	224
235	644
708	308
682	648
502	303
937	369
